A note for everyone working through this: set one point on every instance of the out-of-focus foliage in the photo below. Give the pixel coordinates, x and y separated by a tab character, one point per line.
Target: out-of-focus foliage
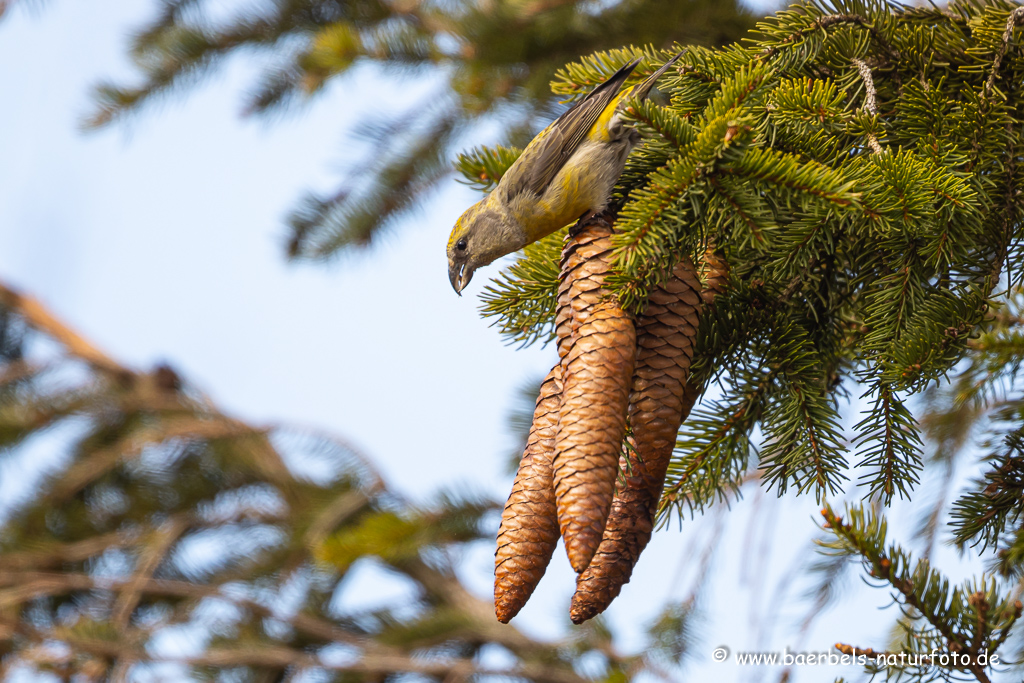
166	538
984	404
490	60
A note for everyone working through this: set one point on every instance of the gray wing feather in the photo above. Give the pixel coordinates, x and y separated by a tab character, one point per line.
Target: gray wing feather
567	133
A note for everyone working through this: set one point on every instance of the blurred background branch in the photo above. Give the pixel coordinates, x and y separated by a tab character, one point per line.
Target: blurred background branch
168	534
489	64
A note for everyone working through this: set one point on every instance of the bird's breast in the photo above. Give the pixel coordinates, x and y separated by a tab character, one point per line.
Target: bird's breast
583	184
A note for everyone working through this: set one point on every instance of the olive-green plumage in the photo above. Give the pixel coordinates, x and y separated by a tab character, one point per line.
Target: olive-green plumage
567	170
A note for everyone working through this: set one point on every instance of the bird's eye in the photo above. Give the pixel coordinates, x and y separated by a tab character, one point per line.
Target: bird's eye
461	244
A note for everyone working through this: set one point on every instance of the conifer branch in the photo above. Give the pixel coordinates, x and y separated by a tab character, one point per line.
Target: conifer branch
713	451
522	297
755	229
997	500
482	167
830	20
37	316
1009	215
54	554
150	558
969	621
376	665
1012	21
20	587
802	445
890	446
665	123
870	99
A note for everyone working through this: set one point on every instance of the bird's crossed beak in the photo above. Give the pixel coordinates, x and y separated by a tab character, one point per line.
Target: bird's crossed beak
460	275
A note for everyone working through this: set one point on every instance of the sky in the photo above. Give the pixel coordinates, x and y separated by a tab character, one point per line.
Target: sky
161	240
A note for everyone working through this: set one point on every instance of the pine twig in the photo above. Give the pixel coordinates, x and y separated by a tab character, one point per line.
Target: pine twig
1015	18
882	569
39	318
19	587
55	555
150	558
830	20
280	657
870	99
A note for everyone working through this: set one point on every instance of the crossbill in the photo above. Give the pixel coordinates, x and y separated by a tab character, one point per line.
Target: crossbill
567	171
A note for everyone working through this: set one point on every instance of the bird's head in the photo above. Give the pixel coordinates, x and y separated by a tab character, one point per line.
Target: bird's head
481	235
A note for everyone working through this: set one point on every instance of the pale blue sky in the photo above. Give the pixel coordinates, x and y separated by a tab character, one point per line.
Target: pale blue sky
161	240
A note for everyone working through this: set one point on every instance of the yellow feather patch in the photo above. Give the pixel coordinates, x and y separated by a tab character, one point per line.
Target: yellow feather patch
461	225
599	132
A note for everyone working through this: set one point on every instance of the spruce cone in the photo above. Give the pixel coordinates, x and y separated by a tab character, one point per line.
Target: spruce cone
660	400
714	274
597	344
529	527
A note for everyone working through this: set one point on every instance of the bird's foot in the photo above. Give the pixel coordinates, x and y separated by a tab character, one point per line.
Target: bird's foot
603	219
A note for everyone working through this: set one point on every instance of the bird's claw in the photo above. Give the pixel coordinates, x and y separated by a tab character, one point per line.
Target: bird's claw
592	218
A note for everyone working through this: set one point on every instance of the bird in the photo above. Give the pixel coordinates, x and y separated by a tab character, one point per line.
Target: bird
566	172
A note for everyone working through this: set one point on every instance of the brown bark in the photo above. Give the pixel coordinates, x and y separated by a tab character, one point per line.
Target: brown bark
659	401
597	345
529	526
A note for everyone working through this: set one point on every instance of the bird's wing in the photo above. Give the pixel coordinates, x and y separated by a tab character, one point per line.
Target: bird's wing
643	89
563	137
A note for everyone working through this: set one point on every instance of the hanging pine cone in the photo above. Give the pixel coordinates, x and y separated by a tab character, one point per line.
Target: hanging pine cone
659	401
597	342
529	526
714	273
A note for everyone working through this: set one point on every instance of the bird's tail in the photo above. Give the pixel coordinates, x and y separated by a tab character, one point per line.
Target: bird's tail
642	89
